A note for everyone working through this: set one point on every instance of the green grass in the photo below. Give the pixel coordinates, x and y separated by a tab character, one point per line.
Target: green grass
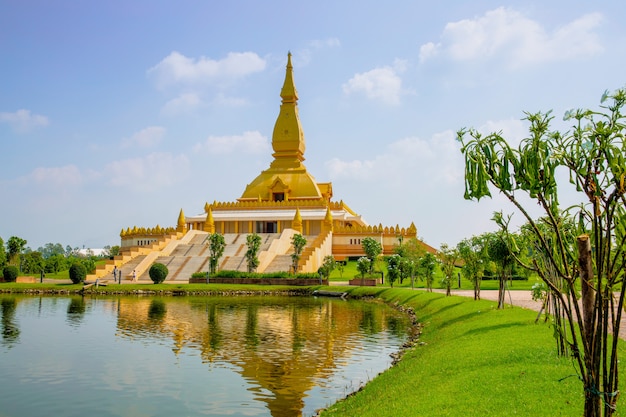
475	361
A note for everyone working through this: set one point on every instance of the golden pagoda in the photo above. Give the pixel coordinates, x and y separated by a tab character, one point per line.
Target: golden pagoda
281	201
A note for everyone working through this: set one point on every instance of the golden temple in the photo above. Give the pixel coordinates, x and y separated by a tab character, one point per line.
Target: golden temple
281	201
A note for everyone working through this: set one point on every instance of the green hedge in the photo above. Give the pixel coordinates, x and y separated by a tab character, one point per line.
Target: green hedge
240	274
10	273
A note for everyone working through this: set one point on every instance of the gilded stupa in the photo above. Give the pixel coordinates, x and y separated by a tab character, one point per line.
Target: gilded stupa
282	200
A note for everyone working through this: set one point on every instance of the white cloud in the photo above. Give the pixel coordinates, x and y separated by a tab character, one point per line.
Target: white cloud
325	43
224	101
23	121
252	142
508	34
55	177
177	69
181	104
152	172
435	161
382	84
145	138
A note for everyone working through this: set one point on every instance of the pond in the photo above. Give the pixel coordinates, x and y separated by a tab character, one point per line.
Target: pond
189	356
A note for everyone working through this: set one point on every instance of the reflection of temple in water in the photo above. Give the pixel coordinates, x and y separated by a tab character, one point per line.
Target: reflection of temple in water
282	348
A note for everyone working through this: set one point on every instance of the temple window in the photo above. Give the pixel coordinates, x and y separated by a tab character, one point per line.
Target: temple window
279	196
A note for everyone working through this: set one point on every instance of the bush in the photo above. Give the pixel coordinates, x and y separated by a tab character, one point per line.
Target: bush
10	273
78	272
158	272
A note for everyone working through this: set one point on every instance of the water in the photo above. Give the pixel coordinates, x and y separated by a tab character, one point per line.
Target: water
211	356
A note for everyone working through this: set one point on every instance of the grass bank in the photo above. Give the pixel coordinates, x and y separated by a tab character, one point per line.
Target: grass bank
472	360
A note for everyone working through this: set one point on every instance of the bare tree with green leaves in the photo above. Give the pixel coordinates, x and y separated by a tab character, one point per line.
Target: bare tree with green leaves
298	242
253	244
217	244
593	156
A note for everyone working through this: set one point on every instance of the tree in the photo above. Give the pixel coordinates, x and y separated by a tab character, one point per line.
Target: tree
15	246
328	266
393	268
592	256
217	244
473	253
448	257
410	252
3	254
363	266
78	273
500	253
10	273
298	242
55	263
33	263
158	272
372	249
426	267
253	243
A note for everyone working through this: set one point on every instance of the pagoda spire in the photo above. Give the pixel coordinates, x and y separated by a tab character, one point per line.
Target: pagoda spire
288	137
181	225
209	224
296	224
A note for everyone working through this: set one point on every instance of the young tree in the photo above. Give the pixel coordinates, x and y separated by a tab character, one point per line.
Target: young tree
473	253
328	266
393	268
593	154
217	244
426	266
363	266
448	257
253	244
372	249
299	242
500	253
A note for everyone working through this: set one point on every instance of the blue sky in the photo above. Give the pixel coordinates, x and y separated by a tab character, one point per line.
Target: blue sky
120	113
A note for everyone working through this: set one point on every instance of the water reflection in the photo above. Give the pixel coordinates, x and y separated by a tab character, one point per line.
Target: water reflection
76	310
282	347
10	330
289	355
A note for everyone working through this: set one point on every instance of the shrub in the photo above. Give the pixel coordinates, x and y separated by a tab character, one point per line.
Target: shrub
158	272
78	272
10	273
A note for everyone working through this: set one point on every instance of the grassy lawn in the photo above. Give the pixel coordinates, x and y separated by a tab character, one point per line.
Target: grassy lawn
474	361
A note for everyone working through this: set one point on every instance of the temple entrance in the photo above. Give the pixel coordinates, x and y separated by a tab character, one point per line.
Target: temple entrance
267	227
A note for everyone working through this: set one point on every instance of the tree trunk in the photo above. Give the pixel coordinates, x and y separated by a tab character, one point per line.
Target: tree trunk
592	380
